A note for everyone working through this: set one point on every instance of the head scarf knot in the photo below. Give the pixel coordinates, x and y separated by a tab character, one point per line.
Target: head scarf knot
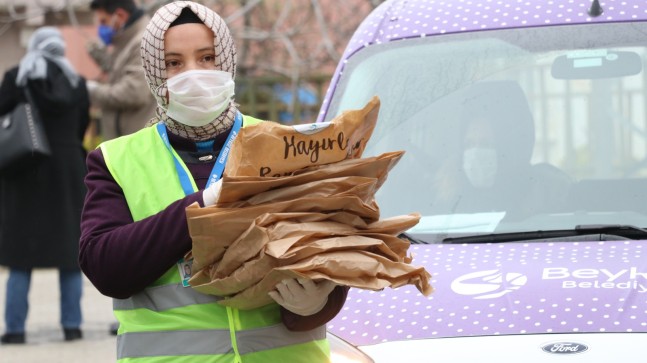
45	43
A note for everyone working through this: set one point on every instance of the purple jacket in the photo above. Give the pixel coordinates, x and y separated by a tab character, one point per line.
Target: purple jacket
122	257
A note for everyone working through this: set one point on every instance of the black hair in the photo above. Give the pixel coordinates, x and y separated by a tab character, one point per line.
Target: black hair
187	16
110	6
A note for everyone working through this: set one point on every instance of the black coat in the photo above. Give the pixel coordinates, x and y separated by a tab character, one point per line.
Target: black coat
40	209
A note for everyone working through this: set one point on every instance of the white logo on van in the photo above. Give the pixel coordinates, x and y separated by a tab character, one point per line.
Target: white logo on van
488	284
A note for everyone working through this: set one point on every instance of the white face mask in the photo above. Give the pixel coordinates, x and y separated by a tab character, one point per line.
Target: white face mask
480	166
198	97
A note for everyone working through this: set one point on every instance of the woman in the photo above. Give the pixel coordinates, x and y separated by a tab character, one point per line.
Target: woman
40	208
134	229
492	171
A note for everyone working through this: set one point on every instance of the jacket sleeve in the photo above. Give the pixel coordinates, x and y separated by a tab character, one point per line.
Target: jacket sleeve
128	91
336	301
119	256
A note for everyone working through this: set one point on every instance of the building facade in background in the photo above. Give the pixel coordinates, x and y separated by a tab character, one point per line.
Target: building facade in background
287	49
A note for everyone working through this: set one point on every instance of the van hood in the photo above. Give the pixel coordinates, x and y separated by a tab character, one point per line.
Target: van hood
507	289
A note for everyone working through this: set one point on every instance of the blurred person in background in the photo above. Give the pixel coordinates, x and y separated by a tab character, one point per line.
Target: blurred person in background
134	226
40	208
123	98
493	171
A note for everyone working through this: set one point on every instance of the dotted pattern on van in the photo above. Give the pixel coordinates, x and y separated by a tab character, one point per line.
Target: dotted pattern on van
508	288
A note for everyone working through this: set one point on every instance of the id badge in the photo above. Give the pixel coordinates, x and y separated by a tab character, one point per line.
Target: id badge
184	268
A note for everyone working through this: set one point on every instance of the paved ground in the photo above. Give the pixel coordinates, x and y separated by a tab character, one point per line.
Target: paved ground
44	336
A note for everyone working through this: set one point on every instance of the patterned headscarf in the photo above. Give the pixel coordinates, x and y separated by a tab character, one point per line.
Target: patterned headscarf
46	43
152	51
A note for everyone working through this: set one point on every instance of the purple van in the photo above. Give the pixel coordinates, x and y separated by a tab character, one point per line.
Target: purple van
525	129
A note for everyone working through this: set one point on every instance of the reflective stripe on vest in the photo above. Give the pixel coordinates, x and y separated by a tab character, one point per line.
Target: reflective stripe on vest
164	297
138	345
170	323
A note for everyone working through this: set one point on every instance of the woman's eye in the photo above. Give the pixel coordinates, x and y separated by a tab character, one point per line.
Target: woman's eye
172	64
211	59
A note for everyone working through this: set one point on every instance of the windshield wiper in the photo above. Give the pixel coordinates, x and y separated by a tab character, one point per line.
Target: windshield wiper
626	230
412	239
582	232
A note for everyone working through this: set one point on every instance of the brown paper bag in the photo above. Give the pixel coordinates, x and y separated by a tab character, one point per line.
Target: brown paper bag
288	251
250	273
360	269
349	219
256	238
272	149
213	230
282	243
299	202
351	185
235	189
297	240
280	253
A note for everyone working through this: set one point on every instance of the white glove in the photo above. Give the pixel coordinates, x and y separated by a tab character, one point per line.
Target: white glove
211	194
302	296
91	85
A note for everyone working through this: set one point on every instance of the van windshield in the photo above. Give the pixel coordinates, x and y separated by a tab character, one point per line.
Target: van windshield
508	131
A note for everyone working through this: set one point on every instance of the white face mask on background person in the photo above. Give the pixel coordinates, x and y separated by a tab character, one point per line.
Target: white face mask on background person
480	166
197	97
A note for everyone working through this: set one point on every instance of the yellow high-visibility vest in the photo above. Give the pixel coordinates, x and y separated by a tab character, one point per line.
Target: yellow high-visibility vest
169	323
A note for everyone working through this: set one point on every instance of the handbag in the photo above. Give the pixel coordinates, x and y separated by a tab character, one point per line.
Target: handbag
23	142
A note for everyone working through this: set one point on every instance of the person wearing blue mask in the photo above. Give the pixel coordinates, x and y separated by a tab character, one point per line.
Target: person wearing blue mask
122	96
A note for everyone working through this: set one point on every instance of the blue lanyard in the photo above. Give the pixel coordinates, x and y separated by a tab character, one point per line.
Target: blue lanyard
219	165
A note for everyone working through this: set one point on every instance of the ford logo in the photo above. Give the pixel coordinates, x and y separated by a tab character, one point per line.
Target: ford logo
565	348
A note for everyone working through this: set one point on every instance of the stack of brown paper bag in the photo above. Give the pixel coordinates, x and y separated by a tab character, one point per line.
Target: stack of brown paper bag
313	217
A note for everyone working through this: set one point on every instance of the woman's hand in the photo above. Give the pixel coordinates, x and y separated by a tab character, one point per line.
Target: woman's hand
211	194
302	296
